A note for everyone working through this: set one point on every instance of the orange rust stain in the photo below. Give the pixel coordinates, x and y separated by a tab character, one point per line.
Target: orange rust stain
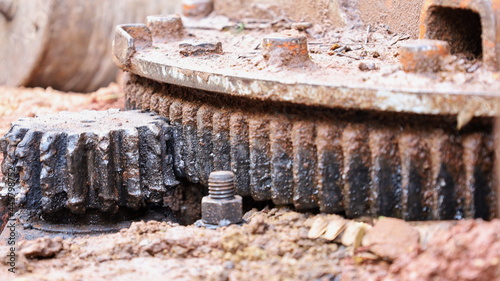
488	44
188	7
423	27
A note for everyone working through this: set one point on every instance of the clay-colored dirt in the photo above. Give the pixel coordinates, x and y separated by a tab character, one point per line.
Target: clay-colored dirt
273	245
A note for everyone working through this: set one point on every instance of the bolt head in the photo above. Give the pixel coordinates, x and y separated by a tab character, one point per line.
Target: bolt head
285	49
423	55
215	210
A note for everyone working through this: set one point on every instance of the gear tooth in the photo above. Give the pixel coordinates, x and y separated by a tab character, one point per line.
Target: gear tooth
240	153
385	173
78	182
221	143
356	170
260	160
167	155
29	168
116	168
130	166
176	121
478	155
53	174
190	136
305	192
105	186
446	171
164	107
281	160
150	164
205	159
155	102
10	141
415	171
330	165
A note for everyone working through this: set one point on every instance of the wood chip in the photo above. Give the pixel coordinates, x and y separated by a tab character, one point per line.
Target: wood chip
353	234
334	228
318	228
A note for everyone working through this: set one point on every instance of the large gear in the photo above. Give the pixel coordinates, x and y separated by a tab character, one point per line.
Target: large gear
89	163
415	167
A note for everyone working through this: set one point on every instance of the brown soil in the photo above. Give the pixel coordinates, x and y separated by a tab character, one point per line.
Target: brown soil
273	245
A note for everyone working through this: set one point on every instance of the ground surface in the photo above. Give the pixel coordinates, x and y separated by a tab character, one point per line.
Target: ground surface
274	244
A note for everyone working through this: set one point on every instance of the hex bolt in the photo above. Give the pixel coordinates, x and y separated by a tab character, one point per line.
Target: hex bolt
221	206
164	27
285	49
7	9
197	8
423	55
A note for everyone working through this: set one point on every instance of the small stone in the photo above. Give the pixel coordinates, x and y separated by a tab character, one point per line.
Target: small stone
391	238
368	66
42	248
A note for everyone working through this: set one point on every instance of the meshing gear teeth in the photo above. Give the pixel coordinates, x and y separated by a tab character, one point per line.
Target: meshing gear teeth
415	167
89	163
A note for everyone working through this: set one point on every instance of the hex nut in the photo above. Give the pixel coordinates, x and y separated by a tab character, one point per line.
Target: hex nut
215	210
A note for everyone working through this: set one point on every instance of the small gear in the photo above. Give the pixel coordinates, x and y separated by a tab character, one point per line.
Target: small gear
88	163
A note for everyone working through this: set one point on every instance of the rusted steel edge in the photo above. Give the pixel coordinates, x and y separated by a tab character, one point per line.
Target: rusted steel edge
131	40
331	96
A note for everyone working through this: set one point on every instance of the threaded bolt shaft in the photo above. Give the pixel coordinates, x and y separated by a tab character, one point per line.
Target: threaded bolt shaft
221	185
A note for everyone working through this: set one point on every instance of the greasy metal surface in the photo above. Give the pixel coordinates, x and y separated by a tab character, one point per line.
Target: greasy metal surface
319	85
88	166
416	167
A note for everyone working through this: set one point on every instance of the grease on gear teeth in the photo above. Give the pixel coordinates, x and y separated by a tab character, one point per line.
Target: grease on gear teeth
416	167
89	163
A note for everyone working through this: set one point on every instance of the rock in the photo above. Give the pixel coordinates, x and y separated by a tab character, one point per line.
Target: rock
391	237
42	248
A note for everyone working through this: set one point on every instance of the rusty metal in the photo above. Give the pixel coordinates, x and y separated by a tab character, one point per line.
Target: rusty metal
292	136
409	166
423	55
197	8
287	49
89	166
133	51
471	27
222	205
